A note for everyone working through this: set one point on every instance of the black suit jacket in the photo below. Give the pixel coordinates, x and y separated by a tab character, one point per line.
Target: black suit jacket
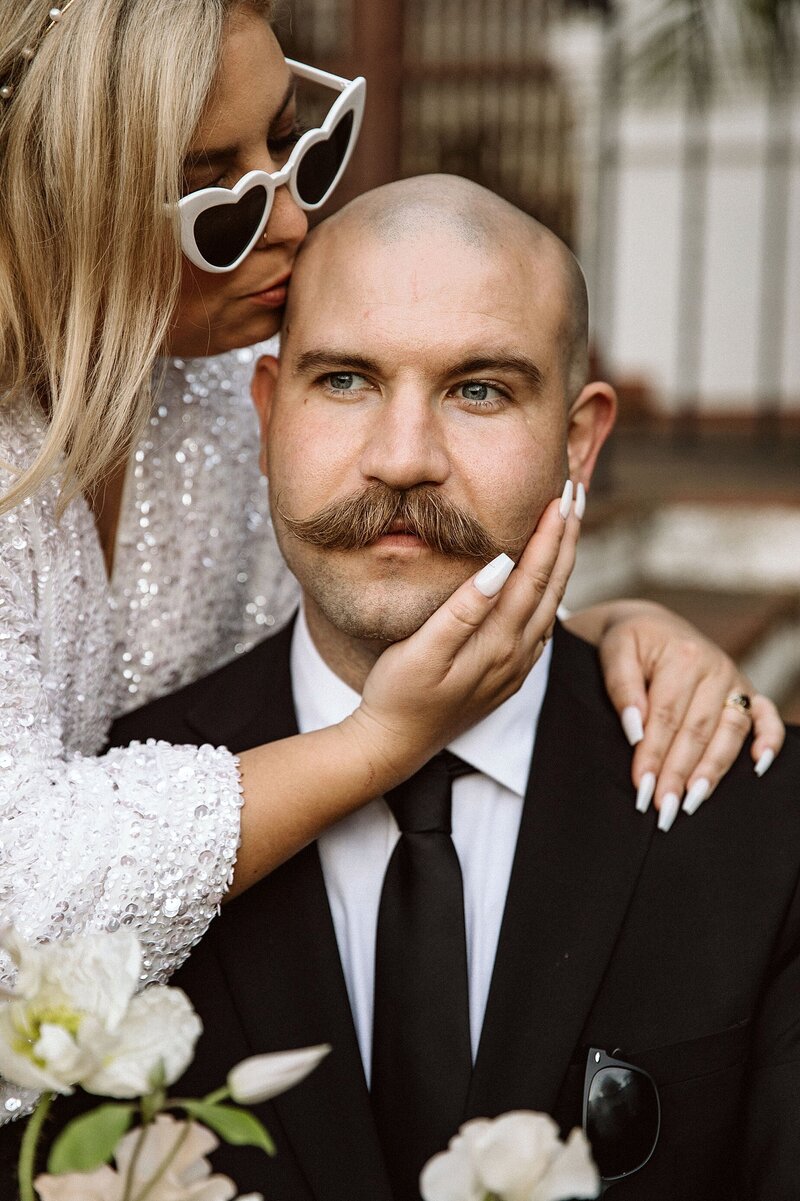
680	952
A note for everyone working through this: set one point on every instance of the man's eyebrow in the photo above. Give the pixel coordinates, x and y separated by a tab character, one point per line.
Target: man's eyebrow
326	359
332	359
226	154
518	363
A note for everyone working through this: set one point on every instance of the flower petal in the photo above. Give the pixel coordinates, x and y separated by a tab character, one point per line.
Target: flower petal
95	973
571	1174
18	1066
449	1176
160	1138
101	1185
515	1152
160	1028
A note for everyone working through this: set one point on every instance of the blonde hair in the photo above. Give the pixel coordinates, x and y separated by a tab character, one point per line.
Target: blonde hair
91	147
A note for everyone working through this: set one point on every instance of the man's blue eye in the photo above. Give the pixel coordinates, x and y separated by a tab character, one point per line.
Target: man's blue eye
478	392
345	381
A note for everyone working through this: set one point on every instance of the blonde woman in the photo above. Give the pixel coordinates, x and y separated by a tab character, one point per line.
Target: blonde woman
135	552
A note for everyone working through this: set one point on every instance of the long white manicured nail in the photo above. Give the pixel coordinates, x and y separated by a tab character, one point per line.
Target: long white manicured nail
491	578
696	795
631	719
580	502
644	794
566	500
670	805
765	762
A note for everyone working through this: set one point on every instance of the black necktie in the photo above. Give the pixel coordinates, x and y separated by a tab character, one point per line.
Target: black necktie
421	1056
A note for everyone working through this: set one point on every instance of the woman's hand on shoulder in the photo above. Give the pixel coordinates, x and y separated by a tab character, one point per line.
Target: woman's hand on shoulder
672	689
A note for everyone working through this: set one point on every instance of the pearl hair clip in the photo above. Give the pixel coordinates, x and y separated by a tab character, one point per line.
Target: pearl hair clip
28	52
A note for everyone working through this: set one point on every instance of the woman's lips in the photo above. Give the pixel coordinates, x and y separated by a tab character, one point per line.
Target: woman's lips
273	297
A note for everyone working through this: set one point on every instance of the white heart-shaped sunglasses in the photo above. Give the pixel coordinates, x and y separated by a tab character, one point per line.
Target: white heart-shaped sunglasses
220	226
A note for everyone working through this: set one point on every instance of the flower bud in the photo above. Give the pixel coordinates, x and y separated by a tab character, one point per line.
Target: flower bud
264	1076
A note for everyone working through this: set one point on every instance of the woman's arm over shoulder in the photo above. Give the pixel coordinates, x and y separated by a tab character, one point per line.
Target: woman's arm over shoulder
145	835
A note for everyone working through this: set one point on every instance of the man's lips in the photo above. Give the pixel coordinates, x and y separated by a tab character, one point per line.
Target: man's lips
273	296
399	534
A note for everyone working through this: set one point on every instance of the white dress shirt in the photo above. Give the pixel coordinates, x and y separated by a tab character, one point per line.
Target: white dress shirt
487	808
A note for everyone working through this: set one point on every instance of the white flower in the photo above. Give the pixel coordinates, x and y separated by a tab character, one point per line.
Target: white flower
187	1178
74	1019
102	1185
69	1000
264	1076
452	1175
160	1030
516	1157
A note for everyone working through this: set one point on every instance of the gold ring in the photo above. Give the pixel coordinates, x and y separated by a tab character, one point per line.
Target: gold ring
740	701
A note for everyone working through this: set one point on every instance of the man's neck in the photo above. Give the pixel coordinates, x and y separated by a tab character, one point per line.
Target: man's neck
350	658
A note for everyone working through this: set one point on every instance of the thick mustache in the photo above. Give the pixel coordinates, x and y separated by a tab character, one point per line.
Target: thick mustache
358	520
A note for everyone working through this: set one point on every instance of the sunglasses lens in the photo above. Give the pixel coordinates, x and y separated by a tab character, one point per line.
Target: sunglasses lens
321	162
223	231
622	1120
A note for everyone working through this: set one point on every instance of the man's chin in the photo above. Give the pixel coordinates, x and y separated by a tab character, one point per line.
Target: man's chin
381	626
383	614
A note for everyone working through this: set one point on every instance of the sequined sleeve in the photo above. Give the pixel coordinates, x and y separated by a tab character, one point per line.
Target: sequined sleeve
144	835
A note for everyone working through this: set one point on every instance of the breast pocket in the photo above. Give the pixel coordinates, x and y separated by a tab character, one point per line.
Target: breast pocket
700	1082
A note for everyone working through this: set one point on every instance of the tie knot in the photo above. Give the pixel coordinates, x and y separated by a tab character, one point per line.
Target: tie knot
422	804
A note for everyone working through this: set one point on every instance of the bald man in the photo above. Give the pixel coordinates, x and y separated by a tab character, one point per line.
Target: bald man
432	397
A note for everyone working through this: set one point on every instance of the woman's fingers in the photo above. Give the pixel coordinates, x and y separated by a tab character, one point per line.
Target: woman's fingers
653	662
672	688
455	622
703	750
512	595
769	732
658	668
541	622
706	745
624	676
733	728
530	602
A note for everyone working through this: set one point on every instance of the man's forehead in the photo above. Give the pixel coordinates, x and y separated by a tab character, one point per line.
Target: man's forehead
436	287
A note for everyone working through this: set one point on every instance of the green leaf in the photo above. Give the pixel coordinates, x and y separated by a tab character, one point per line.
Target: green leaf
235	1126
90	1140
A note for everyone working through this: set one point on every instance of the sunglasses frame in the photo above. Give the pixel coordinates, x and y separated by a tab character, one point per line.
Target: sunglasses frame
597	1061
351	99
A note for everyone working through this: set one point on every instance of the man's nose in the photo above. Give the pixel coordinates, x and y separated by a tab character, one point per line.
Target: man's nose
406	447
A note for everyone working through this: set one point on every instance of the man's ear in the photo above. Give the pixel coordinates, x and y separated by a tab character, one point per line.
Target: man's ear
591	419
262	390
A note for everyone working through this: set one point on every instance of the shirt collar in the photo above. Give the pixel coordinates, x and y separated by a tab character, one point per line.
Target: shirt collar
500	746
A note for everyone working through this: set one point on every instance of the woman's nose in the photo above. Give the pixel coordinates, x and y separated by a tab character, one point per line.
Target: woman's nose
287	224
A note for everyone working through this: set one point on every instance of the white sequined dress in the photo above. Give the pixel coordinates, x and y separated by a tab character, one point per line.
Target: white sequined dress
144	835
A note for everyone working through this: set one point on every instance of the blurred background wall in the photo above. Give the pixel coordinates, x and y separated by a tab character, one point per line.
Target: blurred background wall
661	140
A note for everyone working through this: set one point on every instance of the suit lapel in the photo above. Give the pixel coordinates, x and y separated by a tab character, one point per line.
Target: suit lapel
580	850
281	960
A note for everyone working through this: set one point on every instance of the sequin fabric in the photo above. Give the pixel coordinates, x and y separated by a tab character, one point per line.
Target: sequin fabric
144	835
198	578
